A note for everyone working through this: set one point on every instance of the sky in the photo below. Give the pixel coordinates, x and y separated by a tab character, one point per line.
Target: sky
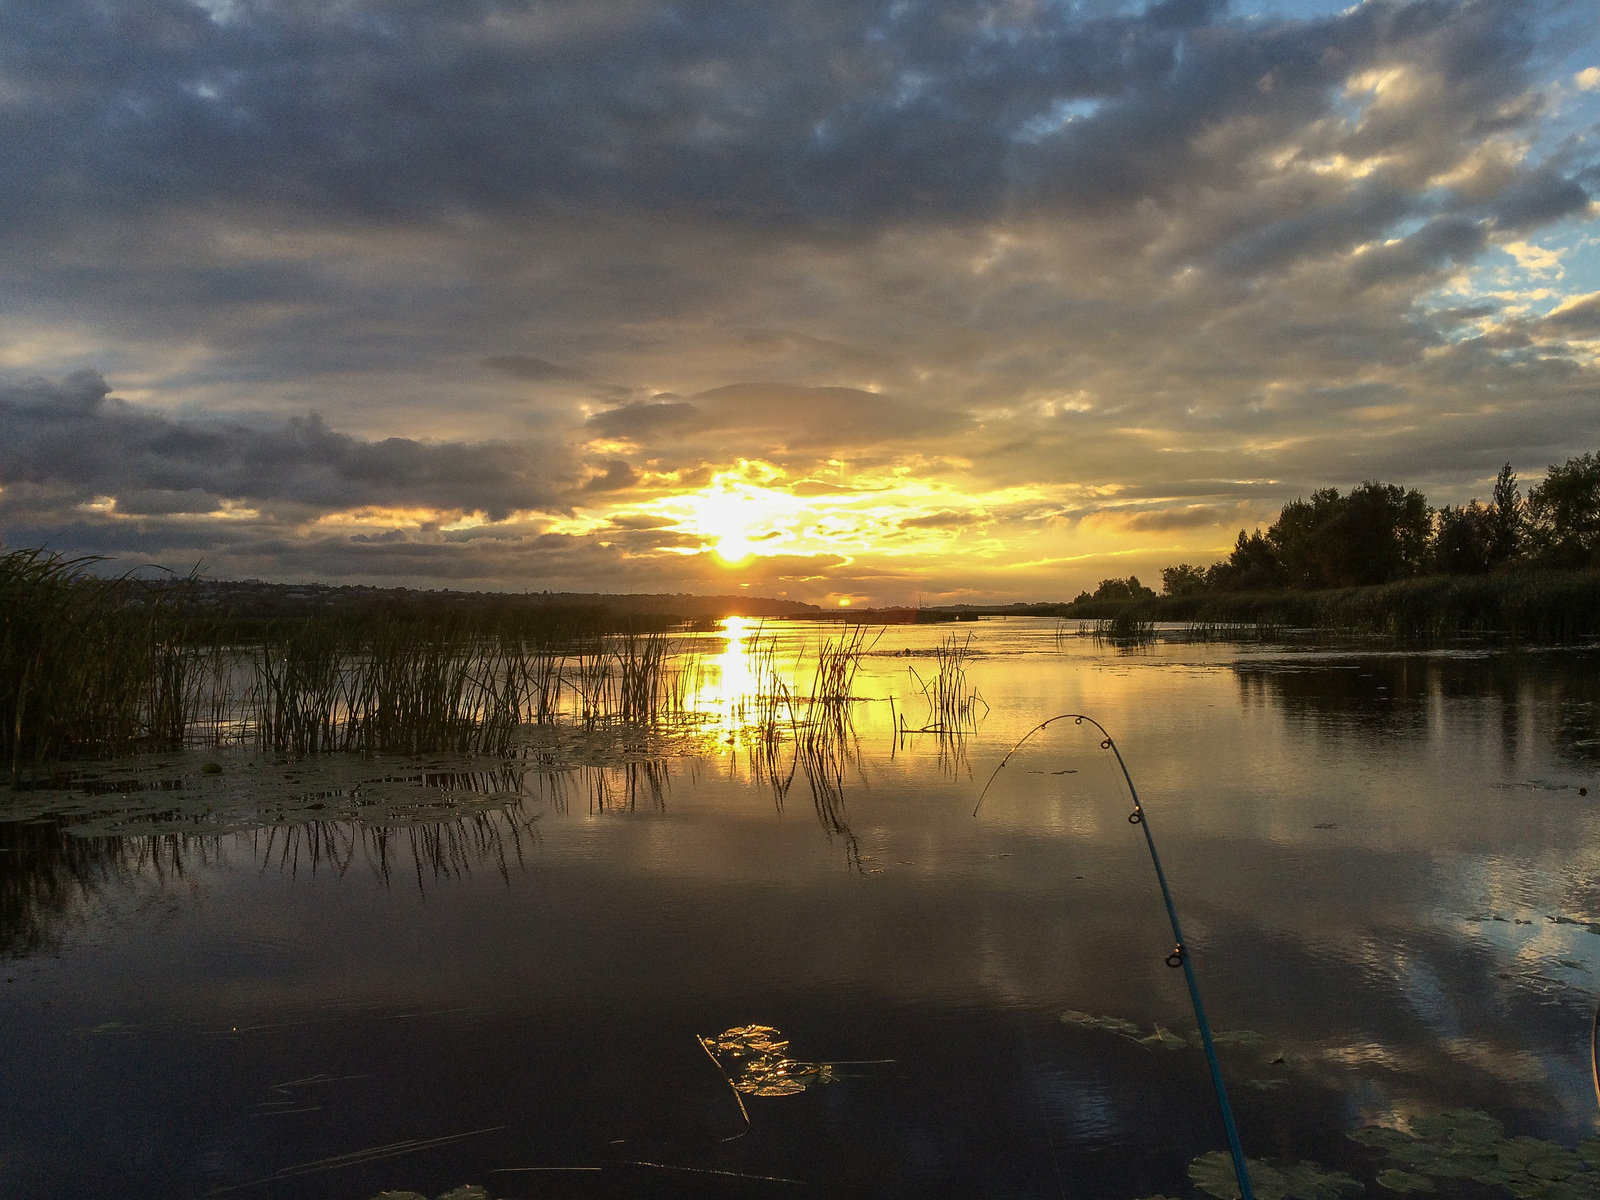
848	301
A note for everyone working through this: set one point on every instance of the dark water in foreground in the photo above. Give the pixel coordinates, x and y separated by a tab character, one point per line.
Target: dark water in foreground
328	980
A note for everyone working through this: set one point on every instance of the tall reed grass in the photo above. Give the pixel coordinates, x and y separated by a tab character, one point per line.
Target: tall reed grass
87	664
93	666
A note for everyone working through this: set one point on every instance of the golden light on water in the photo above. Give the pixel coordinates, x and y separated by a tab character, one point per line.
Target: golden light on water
731	680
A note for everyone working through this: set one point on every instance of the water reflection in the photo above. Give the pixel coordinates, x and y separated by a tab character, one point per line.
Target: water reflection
1389	917
51	880
1519	700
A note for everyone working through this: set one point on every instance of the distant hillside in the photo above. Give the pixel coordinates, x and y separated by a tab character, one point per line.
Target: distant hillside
253	598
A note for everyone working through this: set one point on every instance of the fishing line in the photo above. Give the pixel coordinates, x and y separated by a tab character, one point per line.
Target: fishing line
1594	1053
1180	956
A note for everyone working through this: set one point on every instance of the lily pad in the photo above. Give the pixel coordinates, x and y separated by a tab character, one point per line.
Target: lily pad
753	1058
1213	1174
1468	1144
1232	1037
1380	1137
1165	1037
1458	1166
1396	1180
1589	1151
1556	1162
1110	1024
1311	1181
1416	1153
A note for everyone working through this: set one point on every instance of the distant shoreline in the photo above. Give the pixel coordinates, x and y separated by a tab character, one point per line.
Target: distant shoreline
1540	606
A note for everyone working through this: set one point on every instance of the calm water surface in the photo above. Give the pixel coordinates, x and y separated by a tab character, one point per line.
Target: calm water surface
245	984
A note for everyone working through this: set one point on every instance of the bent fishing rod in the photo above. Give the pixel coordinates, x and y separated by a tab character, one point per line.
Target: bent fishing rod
1180	951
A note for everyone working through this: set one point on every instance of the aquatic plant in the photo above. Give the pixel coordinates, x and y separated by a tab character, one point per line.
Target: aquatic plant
1213	1174
1469	1144
1127	627
755	1063
952	703
92	666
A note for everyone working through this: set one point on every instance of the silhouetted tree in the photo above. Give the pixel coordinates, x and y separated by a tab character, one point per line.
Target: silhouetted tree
1508	517
1465	539
1564	514
1183	580
1376	534
1123	589
1252	567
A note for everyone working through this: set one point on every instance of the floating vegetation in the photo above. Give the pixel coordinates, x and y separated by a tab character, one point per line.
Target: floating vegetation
1468	1144
1396	1180
755	1063
1160	1035
1213	1174
1116	1025
1127	628
467	1191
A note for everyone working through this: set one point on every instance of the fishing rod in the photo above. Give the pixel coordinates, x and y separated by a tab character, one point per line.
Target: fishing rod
1180	951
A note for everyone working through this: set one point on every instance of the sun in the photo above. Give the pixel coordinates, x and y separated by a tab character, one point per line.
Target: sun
739	519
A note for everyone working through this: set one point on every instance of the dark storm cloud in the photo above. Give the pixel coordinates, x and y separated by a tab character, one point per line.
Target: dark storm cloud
71	440
788	114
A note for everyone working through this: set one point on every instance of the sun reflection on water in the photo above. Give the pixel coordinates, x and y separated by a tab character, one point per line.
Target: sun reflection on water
728	689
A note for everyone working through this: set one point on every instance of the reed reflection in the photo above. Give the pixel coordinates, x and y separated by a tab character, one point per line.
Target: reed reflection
53	880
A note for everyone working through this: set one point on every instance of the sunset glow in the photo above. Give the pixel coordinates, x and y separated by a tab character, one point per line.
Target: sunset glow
991	316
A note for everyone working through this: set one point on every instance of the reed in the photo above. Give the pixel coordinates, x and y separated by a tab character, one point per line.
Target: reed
88	665
1130	627
952	703
91	666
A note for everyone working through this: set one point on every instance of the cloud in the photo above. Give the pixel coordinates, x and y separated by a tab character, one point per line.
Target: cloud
617	476
71	440
944	519
535	370
1193	517
1579	315
1067	256
773	418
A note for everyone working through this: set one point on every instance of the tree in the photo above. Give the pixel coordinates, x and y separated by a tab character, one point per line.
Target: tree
1376	534
1564	514
1123	589
1465	539
1508	517
1183	580
1252	567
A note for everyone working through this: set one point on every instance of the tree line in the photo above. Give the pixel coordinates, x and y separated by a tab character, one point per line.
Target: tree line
1381	532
